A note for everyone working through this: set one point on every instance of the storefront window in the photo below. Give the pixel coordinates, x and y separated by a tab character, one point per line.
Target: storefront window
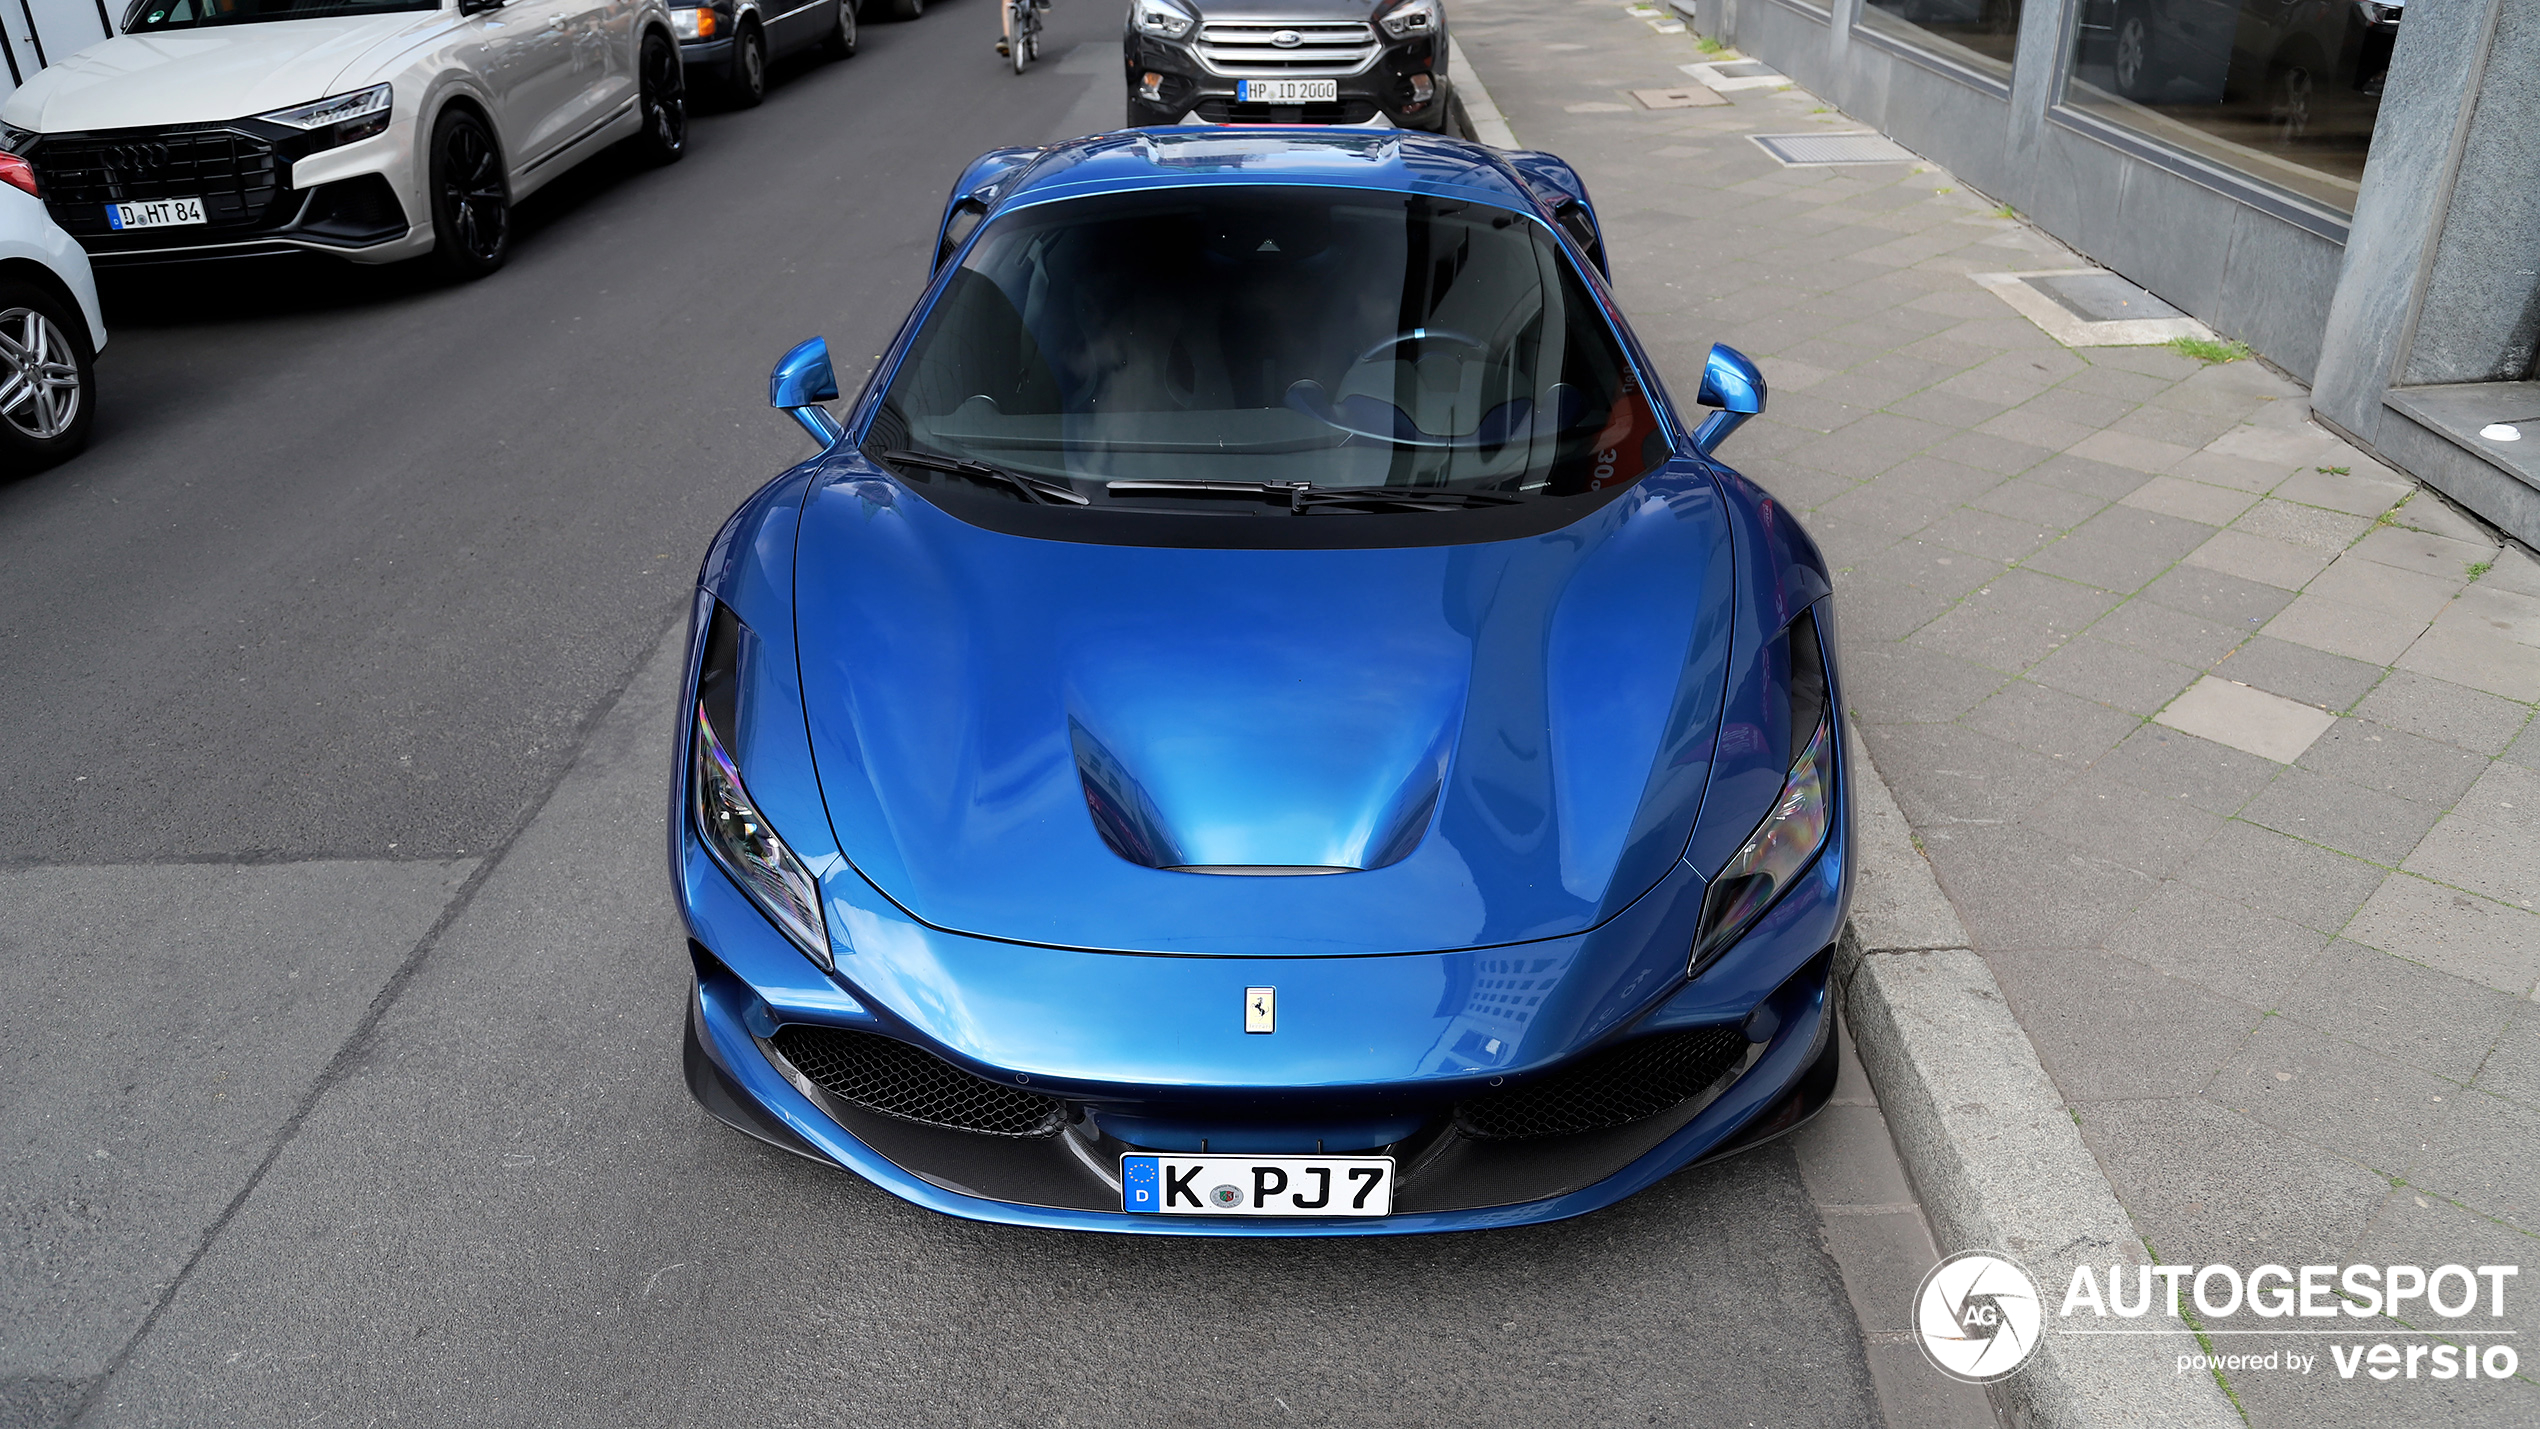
2284	91
1978	33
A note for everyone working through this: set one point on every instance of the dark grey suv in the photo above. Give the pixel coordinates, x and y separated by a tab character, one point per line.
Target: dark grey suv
1287	62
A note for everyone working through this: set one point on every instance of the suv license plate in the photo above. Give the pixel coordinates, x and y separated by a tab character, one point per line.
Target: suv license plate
1287	91
157	213
1257	1185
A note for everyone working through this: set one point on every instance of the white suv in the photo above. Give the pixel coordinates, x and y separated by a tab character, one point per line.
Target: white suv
372	129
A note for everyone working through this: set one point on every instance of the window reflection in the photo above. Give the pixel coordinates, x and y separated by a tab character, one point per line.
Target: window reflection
1978	32
2284	90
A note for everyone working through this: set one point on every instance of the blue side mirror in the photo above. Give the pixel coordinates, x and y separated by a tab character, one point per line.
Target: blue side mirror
1736	387
802	381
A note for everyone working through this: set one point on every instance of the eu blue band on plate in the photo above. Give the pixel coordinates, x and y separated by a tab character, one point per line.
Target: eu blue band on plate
1138	1184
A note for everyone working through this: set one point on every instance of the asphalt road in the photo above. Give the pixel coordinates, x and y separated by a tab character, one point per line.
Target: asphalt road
339	988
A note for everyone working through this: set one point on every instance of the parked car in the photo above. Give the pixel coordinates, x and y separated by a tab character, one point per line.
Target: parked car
1287	62
373	130
2306	68
732	42
51	331
1262	718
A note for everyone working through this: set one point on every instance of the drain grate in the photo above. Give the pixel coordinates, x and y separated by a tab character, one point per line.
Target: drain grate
1861	147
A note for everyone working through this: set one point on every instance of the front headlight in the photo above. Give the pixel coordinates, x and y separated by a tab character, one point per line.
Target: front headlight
729	824
1158	17
340	120
1412	17
693	23
1788	839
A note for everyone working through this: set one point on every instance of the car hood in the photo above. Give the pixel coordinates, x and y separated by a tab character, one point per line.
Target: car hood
1022	739
195	76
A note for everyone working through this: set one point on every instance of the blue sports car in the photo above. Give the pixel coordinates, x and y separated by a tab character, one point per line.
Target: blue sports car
1262	719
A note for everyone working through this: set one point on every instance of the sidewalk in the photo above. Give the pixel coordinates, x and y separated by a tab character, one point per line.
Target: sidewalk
2218	734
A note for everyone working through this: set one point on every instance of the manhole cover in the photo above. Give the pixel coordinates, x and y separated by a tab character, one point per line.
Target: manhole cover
1857	148
2102	298
1690	97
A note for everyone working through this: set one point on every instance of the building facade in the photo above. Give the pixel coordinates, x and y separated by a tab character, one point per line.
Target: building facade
35	33
2348	186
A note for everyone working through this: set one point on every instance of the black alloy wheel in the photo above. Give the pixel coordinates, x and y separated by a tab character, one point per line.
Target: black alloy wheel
2132	62
839	43
47	379
471	197
2289	99
664	102
749	67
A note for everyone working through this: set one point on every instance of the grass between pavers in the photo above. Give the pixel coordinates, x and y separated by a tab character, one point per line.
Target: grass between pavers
2209	350
2196	1327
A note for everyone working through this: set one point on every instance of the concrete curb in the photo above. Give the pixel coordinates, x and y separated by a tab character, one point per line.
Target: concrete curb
1481	116
1993	1151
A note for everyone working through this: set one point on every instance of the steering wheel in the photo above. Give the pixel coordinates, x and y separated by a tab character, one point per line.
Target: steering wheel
1425	334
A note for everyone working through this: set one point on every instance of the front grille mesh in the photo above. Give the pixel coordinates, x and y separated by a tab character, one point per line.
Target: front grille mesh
236	175
1245	47
1638	1079
892	1077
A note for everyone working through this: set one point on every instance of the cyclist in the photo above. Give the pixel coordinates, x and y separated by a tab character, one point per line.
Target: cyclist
1005	21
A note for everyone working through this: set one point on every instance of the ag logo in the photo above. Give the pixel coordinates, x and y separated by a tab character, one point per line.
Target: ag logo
1977	1316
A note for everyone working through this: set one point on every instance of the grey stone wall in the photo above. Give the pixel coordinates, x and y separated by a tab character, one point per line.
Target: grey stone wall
2244	272
2481	316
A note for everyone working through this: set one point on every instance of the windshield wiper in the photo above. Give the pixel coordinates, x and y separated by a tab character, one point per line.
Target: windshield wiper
1305	496
1400	498
1032	488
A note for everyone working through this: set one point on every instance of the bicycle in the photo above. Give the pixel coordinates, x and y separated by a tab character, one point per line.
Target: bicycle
1022	40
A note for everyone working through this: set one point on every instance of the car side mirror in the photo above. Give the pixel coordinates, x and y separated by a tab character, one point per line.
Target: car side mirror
801	382
1734	385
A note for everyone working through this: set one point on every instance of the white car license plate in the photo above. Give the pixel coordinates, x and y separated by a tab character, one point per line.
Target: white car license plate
1288	91
157	213
1257	1185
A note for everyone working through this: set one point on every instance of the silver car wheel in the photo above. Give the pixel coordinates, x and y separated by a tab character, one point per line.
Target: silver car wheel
39	375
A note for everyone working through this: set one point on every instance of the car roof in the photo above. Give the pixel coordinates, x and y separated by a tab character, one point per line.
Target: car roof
1394	160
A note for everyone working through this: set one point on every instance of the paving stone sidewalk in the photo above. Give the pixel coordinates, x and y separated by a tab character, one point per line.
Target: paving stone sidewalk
2218	734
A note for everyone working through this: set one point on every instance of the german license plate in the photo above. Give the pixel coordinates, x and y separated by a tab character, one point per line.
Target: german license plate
157	213
1287	91
1257	1185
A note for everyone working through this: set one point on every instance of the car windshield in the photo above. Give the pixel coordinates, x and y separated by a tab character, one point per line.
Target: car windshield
190	14
1300	349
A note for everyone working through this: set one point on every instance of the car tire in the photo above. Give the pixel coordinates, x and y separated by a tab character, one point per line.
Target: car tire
907	9
471	197
2131	63
662	101
2291	102
44	420
749	67
839	44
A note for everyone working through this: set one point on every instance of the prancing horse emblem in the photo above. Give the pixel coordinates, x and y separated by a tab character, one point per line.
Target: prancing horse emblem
1287	39
1261	1009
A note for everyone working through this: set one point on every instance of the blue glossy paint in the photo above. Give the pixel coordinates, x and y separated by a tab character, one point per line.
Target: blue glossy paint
1794	1046
1536	750
801	382
1734	385
1538	738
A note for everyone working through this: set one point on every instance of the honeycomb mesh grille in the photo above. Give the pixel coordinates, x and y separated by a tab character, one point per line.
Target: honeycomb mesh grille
1638	1079
894	1078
